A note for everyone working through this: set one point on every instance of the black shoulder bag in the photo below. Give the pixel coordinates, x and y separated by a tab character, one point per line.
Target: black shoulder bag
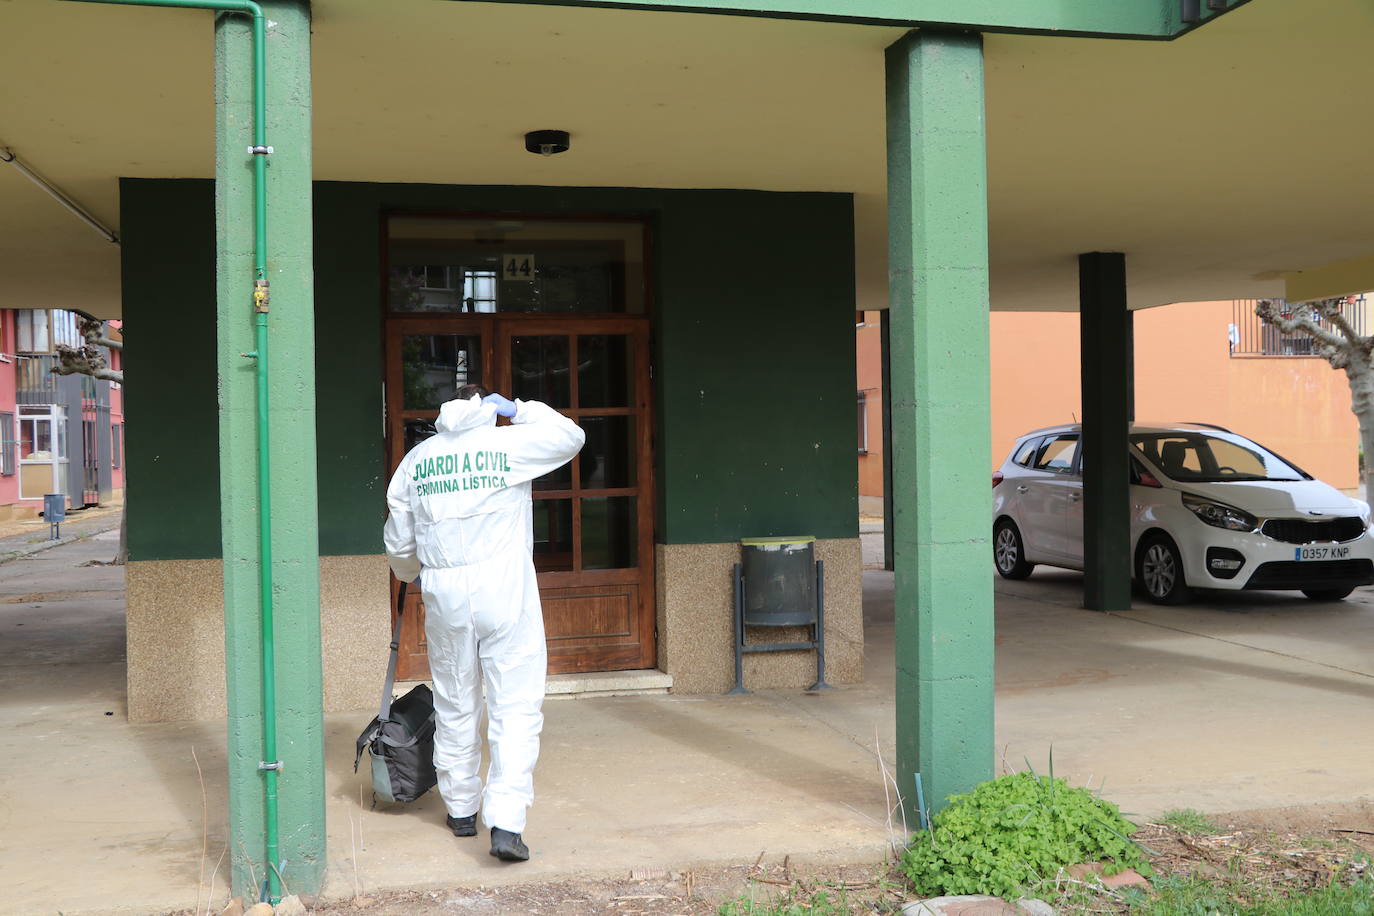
400	740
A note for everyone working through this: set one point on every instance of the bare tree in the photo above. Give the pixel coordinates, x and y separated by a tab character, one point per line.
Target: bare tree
1327	322
89	359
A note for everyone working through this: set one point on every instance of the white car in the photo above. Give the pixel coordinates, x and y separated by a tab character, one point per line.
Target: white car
1209	509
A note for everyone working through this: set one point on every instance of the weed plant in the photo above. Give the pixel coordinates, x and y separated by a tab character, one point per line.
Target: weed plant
1010	834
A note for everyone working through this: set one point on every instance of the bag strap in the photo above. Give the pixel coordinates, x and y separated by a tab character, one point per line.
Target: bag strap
385	714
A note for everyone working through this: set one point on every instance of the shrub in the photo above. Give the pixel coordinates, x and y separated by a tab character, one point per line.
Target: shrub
1012	832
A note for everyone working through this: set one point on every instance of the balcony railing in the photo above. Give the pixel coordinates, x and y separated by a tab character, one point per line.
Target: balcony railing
34	381
1251	336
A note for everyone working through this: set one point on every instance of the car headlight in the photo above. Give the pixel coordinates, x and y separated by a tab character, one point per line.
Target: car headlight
1220	515
1363	508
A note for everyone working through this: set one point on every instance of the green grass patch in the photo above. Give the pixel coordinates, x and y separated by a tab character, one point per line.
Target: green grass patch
1182	896
1010	834
1187	820
789	903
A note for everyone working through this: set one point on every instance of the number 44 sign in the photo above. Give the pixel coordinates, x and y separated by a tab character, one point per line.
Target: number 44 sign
517	267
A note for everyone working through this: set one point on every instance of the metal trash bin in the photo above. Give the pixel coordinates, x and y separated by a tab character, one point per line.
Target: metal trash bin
54	511
779	583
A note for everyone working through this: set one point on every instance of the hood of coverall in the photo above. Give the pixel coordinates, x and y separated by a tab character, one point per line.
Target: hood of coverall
461	416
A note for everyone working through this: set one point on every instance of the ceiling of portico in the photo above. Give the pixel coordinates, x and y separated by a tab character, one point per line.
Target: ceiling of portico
1217	162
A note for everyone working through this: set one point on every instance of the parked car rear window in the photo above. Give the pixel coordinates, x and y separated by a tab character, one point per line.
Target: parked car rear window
1025	455
1212	457
1057	454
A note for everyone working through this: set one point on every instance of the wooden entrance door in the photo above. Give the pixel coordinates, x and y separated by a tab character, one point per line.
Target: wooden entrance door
593	518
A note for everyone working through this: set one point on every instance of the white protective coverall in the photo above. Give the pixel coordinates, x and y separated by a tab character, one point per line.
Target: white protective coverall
461	519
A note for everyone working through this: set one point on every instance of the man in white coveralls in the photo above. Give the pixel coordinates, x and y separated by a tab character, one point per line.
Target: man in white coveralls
461	519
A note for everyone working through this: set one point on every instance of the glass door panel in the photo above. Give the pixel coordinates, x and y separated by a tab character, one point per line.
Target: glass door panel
427	361
605	370
417	431
558	479
609	459
609	532
539	370
458	265
553	535
435	366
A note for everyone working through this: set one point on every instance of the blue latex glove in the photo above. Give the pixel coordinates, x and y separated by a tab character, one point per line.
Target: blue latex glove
504	407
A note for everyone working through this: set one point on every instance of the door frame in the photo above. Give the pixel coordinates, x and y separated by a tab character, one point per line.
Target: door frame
495	330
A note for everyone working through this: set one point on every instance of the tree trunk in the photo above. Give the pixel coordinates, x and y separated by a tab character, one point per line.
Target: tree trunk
1367	458
1361	375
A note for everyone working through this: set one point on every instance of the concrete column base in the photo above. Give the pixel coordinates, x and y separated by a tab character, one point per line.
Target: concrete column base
176	636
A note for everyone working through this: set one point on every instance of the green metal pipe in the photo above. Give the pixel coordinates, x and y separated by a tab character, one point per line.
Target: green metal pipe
270	766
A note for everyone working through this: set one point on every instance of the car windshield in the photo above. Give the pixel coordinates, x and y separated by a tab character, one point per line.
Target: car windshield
1212	457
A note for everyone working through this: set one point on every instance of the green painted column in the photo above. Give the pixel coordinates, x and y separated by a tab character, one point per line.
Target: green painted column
295	541
1107	345
941	417
886	331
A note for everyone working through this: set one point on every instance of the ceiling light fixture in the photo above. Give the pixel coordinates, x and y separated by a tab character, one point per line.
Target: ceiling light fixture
547	142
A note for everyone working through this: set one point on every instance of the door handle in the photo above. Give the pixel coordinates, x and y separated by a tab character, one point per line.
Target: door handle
1075	497
1022	489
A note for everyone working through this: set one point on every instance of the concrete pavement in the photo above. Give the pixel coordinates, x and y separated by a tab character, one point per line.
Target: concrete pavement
1253	702
22	537
1241	700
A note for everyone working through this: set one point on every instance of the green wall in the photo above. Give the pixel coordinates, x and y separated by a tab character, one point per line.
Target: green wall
757	384
171	442
753	338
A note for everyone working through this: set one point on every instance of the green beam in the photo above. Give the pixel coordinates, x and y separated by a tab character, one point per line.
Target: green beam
941	443
291	390
1201	11
1132	19
1108	364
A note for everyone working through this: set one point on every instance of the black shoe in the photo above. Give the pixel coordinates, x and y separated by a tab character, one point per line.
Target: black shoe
507	846
462	826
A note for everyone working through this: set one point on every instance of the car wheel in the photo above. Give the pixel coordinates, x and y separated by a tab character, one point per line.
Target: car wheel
1327	594
1007	552
1159	570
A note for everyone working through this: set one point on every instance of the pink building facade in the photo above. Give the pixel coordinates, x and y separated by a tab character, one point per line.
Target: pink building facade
58	434
1192	363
